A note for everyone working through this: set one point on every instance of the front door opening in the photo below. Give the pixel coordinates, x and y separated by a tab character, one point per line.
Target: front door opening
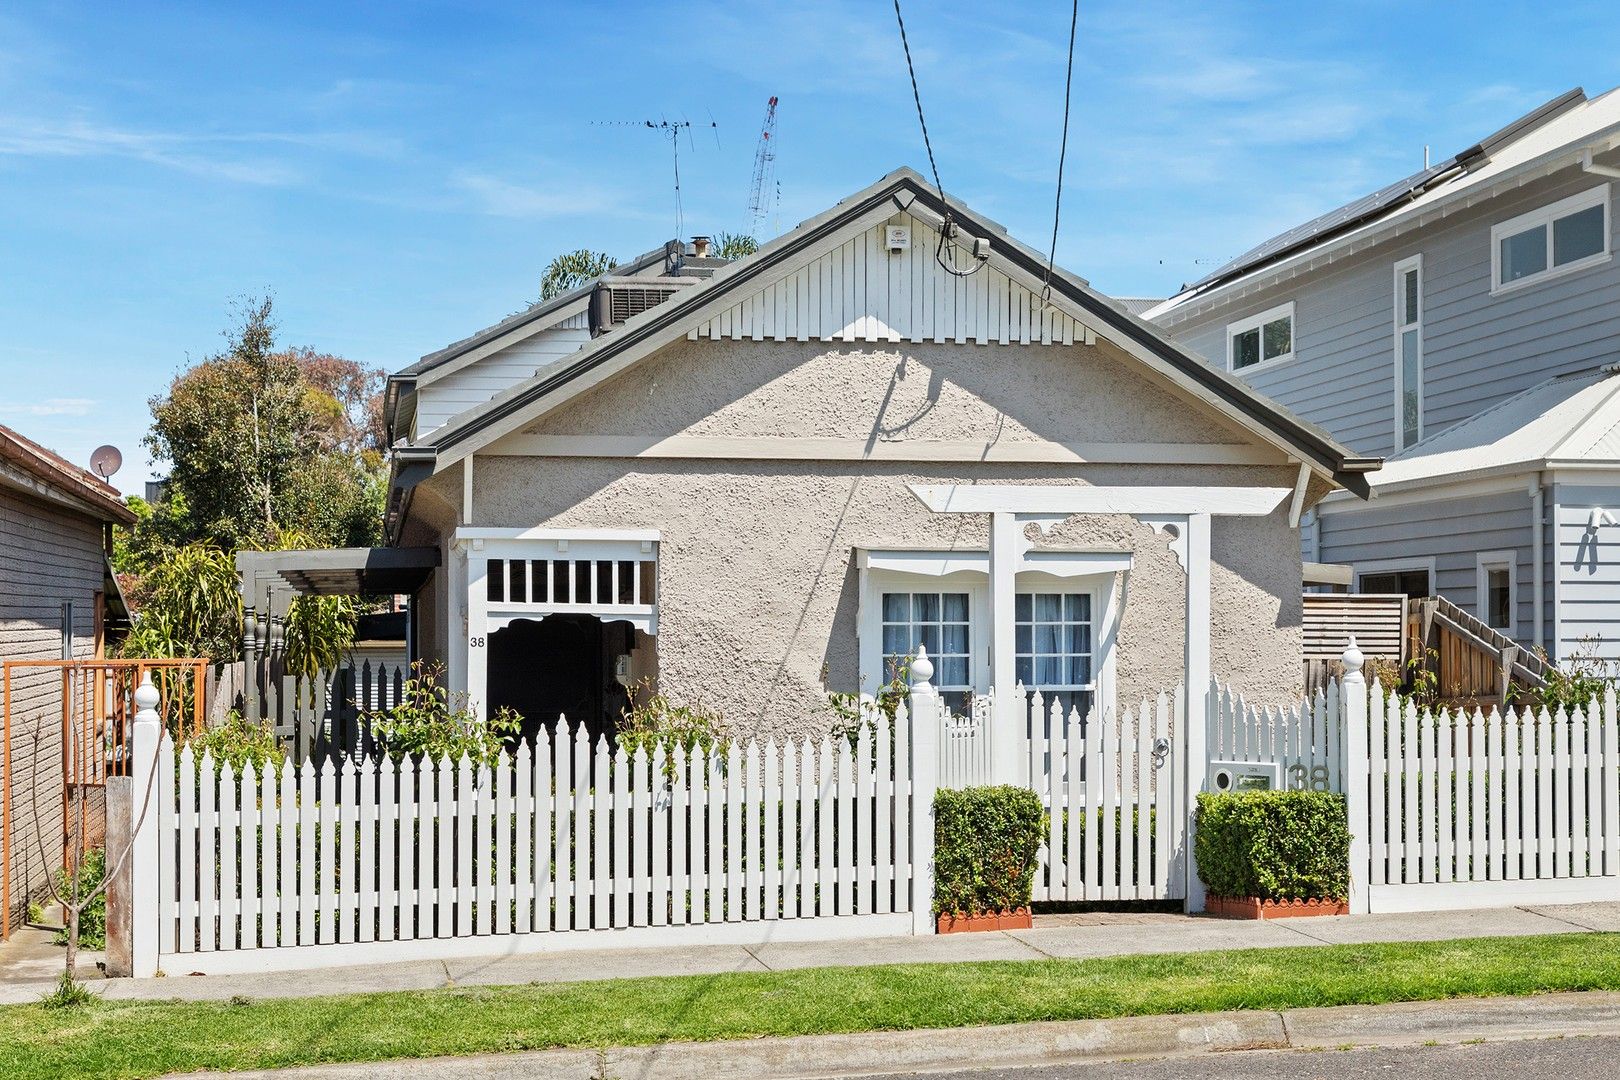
561	665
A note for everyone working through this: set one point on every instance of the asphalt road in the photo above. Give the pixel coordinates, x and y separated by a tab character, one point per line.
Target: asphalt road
1566	1059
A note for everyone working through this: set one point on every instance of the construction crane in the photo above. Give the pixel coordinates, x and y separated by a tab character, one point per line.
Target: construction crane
762	197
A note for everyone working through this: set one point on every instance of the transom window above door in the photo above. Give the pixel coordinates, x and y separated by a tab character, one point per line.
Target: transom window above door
939	622
1261	340
1055	644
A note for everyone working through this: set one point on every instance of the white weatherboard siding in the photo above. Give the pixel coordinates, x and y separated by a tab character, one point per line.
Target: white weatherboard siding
1478	349
860	291
1588	587
1451	532
442	398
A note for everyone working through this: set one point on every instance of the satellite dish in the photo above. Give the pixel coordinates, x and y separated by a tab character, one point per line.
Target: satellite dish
106	461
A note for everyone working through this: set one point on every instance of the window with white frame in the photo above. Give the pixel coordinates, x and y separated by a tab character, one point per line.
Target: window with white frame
1569	235
1055	643
1261	340
938	621
1408	352
1496	591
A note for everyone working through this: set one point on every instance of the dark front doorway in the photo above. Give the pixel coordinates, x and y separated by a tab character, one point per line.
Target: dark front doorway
561	665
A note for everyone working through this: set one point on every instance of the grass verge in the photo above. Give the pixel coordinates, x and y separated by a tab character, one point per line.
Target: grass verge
130	1039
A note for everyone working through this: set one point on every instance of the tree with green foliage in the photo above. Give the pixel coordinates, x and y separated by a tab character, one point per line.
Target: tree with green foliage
260	440
728	245
572	269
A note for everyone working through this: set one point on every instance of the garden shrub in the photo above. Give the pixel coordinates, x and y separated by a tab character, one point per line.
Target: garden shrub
238	742
1275	845
655	722
93	916
986	840
432	722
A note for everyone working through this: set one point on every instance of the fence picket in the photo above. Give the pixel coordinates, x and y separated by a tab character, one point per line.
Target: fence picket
1578	794
444	839
411	840
1107	779
526	844
1055	796
622	872
580	901
1074	756
191	877
1611	786
501	779
545	851
714	847
1545	858
366	778
863	823
230	910
845	831
660	839
563	813
826	805
1447	802
735	812
1091	826
268	930
680	795
806	878
601	821
1560	794
465	808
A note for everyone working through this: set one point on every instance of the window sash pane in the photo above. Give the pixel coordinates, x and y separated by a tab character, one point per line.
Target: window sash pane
1578	235
911	620
1524	254
1246	349
1053	640
1409	307
1279	337
1411	388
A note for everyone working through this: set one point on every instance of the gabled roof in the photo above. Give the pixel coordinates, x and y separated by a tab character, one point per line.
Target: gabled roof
902	190
1553	133
1571	421
56	477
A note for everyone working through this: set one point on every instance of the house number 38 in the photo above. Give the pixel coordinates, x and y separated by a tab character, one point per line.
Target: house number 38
1314	778
476	642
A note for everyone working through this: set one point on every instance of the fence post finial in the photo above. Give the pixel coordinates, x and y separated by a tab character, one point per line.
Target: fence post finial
146	701
1352	661
921	671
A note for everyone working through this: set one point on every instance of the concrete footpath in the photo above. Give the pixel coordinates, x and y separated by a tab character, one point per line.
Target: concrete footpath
1027	1045
28	974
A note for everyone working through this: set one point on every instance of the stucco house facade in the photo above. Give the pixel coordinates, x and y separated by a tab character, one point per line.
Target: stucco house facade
752	483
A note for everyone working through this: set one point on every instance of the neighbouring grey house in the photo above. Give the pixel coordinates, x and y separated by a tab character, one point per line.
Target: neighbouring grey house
753	482
58	600
1466	321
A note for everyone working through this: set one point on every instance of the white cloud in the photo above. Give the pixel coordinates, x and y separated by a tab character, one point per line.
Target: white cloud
500	197
79	137
51	407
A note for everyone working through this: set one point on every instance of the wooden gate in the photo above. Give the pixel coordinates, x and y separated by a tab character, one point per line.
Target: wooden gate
84	724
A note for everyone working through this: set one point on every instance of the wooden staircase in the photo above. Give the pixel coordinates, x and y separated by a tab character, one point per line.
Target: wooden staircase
1473	663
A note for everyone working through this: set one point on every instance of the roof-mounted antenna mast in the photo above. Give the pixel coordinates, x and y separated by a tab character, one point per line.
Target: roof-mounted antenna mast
670	129
762	196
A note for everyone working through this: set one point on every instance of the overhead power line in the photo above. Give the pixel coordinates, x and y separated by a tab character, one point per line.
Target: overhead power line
1063	153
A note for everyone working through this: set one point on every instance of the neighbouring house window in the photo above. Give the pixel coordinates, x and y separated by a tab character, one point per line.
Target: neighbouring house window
1496	586
1411	582
938	621
1569	235
1261	340
1408	352
1054	643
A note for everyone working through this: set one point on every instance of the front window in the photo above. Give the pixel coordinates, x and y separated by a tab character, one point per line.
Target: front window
1569	235
1414	582
938	621
1055	644
1408	352
1495	584
1262	340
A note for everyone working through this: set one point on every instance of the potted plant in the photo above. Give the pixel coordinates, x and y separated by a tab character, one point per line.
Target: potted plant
986	842
1274	854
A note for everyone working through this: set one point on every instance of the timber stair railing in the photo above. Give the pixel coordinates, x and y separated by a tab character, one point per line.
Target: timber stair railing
1473	661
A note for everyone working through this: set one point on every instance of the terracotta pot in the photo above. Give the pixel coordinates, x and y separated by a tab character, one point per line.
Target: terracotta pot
961	923
1252	907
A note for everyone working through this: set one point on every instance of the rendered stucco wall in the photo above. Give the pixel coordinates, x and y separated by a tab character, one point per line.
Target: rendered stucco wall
759	593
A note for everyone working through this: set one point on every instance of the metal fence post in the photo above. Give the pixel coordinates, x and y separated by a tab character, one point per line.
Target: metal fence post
925	734
1357	773
146	731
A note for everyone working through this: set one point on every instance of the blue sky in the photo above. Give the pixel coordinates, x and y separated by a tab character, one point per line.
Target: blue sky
397	174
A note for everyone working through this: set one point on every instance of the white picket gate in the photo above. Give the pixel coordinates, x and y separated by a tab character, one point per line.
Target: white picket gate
568	844
1116	810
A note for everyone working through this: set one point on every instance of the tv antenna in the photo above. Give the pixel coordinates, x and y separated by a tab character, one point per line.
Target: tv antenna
765	192
106	461
671	130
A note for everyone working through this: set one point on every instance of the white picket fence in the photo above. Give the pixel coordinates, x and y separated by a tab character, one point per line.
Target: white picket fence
964	745
568	844
1305	739
1468	810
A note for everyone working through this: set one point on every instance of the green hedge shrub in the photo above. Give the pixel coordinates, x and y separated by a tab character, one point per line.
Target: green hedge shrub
1276	845
986	840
